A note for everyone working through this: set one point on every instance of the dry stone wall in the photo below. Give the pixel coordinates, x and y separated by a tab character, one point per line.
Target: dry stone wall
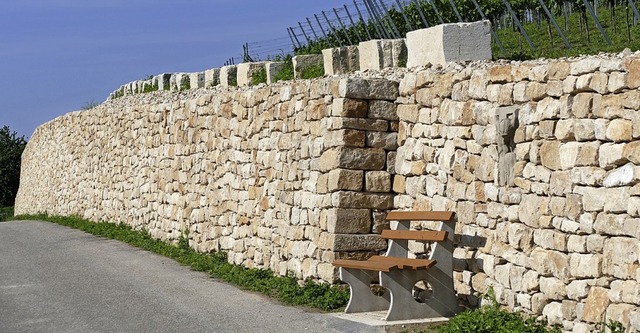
284	177
540	160
541	163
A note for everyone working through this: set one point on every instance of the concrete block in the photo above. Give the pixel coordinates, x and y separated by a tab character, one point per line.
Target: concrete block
302	62
196	80
382	53
229	76
341	60
273	68
246	71
211	77
449	42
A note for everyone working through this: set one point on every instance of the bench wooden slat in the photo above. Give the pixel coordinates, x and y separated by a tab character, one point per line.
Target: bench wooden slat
419	235
368	265
420	216
385	264
405	263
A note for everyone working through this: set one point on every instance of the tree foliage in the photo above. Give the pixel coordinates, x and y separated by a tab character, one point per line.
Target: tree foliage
11	148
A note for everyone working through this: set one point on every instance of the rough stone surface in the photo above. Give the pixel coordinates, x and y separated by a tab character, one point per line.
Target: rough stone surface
449	42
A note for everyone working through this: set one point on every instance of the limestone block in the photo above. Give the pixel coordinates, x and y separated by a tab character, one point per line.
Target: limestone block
596	304
550	239
625	291
382	110
631	152
341	60
620	257
620	313
611	155
348	221
377	181
302	63
196	80
211	77
368	89
346	242
273	68
449	42
164	81
229	76
583	66
622	176
382	53
349	107
619	130
342	179
387	141
353	158
552	288
549	262
578	289
585	265
345	137
345	199
246	70
632	66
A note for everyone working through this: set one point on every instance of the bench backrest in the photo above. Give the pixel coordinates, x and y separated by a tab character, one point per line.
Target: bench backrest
400	235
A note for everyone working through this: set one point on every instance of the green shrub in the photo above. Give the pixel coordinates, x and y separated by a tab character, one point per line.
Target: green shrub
312	72
491	318
259	76
286	73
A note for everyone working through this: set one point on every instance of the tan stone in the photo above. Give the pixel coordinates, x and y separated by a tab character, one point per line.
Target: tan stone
382	110
596	305
619	130
345	137
342	179
344	199
348	107
552	288
408	112
632	66
346	242
348	221
558	70
499	74
550	154
377	181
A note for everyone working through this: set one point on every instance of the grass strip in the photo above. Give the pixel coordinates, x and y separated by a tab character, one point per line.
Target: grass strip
286	289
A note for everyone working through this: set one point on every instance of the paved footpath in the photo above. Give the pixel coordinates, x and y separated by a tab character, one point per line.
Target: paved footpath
57	279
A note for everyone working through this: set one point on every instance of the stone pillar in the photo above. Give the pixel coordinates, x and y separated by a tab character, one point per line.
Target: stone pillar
273	68
196	80
246	71
229	76
382	53
341	60
449	42
164	81
211	77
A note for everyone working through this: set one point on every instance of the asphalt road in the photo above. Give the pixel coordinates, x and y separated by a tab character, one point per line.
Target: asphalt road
57	279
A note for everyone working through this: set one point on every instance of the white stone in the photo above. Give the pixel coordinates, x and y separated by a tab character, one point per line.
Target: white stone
449	42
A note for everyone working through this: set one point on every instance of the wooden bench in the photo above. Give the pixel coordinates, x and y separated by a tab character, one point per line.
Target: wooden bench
399	274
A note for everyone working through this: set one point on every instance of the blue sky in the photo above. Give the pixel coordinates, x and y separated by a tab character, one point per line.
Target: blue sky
58	55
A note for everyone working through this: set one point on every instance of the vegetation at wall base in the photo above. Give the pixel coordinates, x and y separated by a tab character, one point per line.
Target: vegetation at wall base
286	289
490	318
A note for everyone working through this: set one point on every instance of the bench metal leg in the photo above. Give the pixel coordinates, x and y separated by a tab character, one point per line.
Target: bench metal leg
362	299
443	302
